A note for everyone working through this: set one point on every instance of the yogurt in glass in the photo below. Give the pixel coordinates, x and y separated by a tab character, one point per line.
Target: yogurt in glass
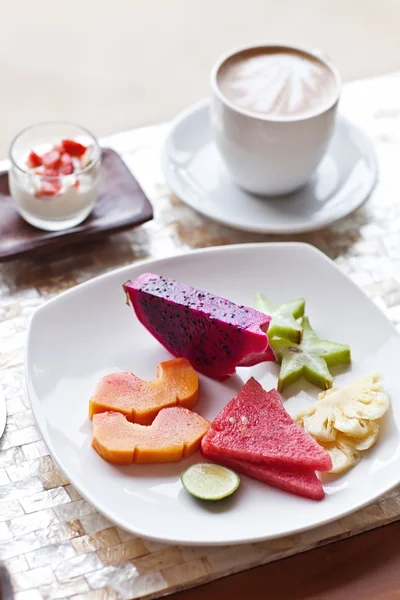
54	174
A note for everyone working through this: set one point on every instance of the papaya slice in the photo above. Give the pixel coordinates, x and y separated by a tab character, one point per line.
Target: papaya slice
175	433
177	384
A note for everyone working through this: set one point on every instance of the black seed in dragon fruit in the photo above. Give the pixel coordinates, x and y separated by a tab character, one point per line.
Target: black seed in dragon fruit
214	334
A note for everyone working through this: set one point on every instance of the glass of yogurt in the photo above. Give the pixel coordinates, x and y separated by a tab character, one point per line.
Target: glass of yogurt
54	174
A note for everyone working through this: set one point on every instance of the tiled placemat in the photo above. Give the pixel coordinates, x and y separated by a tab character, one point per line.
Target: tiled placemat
52	541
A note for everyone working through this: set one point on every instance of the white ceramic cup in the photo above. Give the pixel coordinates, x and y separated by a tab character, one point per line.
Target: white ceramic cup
271	155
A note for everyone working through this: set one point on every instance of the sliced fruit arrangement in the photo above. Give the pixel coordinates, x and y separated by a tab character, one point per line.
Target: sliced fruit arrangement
284	317
345	420
140	401
137	421
207	481
175	432
64	158
214	334
256	436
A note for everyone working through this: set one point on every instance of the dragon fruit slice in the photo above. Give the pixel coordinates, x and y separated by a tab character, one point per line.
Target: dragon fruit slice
214	334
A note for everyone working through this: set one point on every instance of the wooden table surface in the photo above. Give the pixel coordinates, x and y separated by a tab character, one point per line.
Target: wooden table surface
365	567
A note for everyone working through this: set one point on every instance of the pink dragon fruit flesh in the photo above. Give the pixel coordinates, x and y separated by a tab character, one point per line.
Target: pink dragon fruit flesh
214	334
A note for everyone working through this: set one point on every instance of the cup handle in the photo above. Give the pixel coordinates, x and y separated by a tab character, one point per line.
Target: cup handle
321	54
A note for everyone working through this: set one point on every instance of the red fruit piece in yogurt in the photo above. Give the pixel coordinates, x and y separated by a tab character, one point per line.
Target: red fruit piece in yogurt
52	159
49	173
67	166
34	160
48	188
59	147
74	148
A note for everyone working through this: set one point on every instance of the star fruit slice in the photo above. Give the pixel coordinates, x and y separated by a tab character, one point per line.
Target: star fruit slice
309	359
284	322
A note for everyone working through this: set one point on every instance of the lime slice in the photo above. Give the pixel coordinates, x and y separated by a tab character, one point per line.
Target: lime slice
210	482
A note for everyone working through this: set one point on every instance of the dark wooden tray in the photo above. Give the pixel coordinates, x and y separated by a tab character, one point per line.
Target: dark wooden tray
121	205
6	592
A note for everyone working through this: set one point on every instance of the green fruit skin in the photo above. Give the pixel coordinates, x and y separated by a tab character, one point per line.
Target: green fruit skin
282	332
297	307
322	382
288	380
216	498
342	357
293	309
337	354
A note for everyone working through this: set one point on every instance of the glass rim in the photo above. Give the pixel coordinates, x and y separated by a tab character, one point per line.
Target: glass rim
96	158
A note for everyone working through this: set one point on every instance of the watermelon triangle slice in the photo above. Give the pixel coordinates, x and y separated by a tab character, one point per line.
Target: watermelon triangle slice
295	480
255	427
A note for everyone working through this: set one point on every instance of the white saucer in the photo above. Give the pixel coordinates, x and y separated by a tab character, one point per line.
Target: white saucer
195	173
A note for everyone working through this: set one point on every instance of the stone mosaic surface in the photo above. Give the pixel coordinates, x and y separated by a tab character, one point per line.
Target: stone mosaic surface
53	542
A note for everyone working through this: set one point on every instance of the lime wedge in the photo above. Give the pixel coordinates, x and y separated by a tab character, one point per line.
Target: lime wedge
210	482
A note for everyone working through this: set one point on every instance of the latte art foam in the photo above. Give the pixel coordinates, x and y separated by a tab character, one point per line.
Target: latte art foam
277	82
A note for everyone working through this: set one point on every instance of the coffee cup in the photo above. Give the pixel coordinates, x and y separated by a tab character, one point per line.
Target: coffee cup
273	111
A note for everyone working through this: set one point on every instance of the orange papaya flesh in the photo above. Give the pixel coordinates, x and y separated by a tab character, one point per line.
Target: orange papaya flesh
175	433
177	384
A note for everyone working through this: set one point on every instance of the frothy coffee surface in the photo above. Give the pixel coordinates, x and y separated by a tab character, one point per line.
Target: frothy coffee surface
277	82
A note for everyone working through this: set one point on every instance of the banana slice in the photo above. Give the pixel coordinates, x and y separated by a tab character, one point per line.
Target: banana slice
356	428
325	393
343	420
343	457
319	421
365	398
347	409
361	444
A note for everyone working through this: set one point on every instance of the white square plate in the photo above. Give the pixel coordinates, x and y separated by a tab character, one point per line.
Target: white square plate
89	331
